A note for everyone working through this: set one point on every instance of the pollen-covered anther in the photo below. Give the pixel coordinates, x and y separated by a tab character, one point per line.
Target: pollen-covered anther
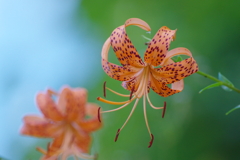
118	132
164	109
150	143
99	118
104	89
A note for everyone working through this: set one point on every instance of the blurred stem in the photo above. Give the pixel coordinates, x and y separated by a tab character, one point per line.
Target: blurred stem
217	80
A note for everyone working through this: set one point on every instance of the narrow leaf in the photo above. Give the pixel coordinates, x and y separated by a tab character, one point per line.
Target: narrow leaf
225	80
177	58
146	38
237	107
211	86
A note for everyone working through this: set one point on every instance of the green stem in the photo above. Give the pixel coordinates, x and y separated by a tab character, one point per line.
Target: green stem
217	80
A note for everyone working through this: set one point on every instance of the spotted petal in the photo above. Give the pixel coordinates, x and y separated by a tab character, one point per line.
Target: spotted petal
72	102
91	122
54	147
48	107
159	45
115	71
122	45
162	89
39	127
176	71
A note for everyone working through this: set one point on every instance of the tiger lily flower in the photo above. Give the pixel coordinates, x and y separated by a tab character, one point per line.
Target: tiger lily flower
68	122
155	72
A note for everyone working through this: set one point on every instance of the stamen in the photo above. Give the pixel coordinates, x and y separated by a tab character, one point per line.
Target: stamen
41	150
164	109
112	102
116	108
99	114
150	103
135	104
131	93
118	132
150	143
104	89
147	43
145	114
123	95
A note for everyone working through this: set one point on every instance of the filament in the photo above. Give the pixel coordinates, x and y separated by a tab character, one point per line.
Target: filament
115	103
123	95
116	108
145	114
135	104
150	103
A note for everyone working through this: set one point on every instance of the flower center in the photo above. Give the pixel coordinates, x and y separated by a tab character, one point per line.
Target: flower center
143	82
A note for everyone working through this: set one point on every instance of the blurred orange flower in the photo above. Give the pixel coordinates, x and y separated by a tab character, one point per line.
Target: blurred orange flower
69	122
156	71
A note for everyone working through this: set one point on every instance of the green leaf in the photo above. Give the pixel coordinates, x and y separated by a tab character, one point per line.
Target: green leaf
211	86
225	80
237	107
146	38
177	58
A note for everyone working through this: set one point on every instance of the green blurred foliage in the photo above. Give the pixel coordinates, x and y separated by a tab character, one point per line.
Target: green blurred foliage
195	126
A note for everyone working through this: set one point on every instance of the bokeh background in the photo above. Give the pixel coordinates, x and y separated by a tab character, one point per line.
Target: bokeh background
52	43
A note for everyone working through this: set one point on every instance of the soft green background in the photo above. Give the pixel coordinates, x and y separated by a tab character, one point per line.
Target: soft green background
195	126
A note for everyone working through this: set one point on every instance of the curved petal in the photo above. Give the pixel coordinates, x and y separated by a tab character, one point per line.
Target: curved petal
176	71
122	45
48	107
115	71
54	148
161	88
67	101
159	45
39	127
92	123
179	85
80	95
175	52
83	143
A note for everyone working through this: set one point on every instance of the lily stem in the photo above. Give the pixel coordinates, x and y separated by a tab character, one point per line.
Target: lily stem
217	80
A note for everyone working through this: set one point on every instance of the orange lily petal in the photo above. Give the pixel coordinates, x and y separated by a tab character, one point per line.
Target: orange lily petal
179	85
55	146
176	71
92	123
39	127
68	104
80	95
48	107
122	45
83	143
174	52
115	71
159	45
161	88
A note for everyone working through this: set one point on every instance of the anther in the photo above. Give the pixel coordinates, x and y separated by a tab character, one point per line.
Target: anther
150	143
104	89
131	93
116	138
164	109
99	119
